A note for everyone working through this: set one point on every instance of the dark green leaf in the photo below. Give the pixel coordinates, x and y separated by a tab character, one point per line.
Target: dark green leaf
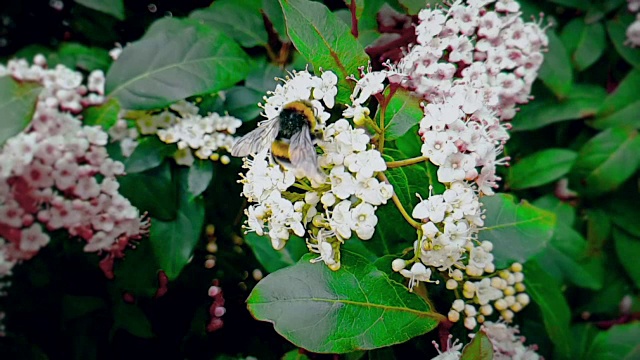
403	112
166	67
565	213
584	41
240	20
583	101
17	104
325	41
142	190
414	6
263	77
517	231
398	179
605	162
131	318
114	8
294	355
556	71
598	229
242	102
617	29
480	348
583	335
393	233
621	208
200	175
76	306
78	56
576	4
620	108
105	115
618	343
173	242
137	273
272	259
545	292
272	10
339	311
149	153
626	247
541	168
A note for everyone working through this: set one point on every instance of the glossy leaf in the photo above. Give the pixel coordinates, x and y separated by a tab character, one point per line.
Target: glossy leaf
200	175
242	102
619	342
173	242
556	315
105	115
273	12
581	102
585	42
325	41
556	72
142	190
149	153
541	168
398	179
78	56
621	107
114	8
605	162
271	259
339	311
171	66
403	112
17	105
565	212
626	246
240	20
617	30
480	348
517	231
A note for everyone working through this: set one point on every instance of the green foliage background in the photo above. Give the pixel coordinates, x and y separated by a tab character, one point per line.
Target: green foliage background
579	250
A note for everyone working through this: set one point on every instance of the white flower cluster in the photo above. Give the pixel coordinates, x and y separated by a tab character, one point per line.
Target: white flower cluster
331	211
56	174
473	66
633	31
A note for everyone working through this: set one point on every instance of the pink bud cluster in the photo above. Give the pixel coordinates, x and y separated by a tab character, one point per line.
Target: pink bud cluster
56	174
217	309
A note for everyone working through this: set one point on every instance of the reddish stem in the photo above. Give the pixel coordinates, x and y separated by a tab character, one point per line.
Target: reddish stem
354	19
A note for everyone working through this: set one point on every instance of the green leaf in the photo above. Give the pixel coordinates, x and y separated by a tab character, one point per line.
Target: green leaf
583	334
598	229
480	348
566	258
114	8
17	104
584	41
617	30
200	175
294	355
605	162
325	41
565	213
76	306
131	318
398	179
618	343
161	69
556	315
78	56
173	242
556	71
402	113
272	259
517	231
273	12
240	20
242	102
621	209
621	107
626	246
263	77
414	6
105	115
142	190
340	311
576	4
149	153
137	273
541	168
582	102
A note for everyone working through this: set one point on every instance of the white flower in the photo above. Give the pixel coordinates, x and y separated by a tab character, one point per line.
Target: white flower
343	183
322	247
434	209
369	84
326	88
417	273
341	220
365	163
364	220
485	292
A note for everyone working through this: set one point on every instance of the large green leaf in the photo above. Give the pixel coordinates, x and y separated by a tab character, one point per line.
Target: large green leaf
626	246
200	175
618	343
355	308
137	273
143	190
242	102
584	41
130	317
173	242
541	168
149	153
565	212
171	66
240	20
403	112
556	70
617	29
605	162
325	41
545	292
114	8
17	104
74	55
272	259
581	102
517	231
621	107
105	115
480	348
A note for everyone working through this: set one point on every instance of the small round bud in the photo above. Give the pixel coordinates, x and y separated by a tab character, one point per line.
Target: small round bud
210	229
500	304
210	263
509	291
510	300
472	270
257	274
519	277
225	160
523	299
335	267
480	319
470	310
457	275
453	316
398	264
212	247
504	274
219	311
215	157
511	279
516	307
487	246
496	282
214	290
468	294
516	267
507	315
311	197
469	286
490	268
520	287
452	284
486	310
470	323
458	305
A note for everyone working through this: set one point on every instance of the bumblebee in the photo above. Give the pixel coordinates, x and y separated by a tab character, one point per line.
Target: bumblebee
291	137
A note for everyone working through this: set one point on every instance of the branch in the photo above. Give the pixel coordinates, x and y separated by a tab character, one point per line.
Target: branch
406	162
396	201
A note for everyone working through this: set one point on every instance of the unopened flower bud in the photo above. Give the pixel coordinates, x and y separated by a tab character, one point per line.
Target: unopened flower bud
507	315
516	267
470	323
451	284
398	264
458	305
523	299
486	310
453	316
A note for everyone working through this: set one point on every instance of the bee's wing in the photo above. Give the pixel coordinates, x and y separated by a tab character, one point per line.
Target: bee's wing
303	154
258	139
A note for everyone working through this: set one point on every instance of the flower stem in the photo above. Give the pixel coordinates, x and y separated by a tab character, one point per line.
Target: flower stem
396	201
406	162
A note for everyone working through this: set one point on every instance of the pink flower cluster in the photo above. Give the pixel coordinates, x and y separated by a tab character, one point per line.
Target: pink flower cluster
56	174
217	309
